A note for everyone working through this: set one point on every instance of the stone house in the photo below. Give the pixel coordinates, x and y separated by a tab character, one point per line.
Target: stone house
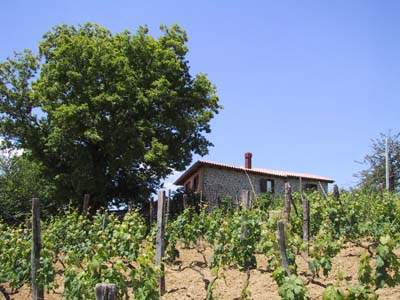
214	181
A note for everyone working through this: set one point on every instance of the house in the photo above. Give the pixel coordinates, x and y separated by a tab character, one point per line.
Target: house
214	181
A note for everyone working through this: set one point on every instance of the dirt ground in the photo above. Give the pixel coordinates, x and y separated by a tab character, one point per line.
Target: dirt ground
189	277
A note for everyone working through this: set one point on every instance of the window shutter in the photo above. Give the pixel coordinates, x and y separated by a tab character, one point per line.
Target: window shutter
263	186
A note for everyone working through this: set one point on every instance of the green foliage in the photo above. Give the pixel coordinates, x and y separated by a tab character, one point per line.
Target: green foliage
332	293
233	235
387	263
360	292
365	270
235	239
357	292
21	179
266	201
354	216
324	248
104	248
290	287
185	228
15	250
86	252
227	204
374	176
106	114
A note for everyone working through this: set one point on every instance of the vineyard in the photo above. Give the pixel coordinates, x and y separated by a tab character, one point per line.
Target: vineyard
260	250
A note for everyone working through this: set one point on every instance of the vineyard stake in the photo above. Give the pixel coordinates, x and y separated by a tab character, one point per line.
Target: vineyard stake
104	221
336	194
387	164
306	222
160	242
167	207
301	186
288	201
282	245
106	291
37	288
245	199
322	190
86	199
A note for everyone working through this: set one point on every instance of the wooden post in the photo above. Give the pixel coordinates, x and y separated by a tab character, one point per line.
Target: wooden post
160	242
322	190
288	202
301	186
37	288
246	204
336	194
336	197
306	222
387	164
167	207
104	221
106	291
282	245
245	199
86	199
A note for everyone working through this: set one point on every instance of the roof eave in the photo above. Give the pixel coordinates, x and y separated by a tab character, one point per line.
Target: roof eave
181	180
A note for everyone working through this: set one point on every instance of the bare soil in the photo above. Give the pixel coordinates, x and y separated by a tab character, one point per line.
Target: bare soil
189	277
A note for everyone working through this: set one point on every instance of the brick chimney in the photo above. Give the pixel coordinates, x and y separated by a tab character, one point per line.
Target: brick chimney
247	160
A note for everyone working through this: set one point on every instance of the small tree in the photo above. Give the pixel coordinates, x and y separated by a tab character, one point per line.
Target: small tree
374	175
21	179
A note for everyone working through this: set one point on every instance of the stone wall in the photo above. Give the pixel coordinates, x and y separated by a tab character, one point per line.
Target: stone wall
218	183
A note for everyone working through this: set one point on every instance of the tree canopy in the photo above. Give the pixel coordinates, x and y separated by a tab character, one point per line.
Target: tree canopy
109	114
21	179
374	175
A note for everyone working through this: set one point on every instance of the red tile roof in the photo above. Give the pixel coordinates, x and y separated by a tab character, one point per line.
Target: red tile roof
181	180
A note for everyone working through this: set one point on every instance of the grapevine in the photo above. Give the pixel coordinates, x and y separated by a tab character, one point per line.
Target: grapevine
86	250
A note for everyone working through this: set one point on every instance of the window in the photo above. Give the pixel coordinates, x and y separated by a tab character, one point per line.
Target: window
310	187
195	183
267	186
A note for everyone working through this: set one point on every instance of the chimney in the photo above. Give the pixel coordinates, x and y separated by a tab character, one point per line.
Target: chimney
247	160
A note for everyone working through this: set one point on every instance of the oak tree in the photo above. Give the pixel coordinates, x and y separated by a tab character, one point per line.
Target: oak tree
110	114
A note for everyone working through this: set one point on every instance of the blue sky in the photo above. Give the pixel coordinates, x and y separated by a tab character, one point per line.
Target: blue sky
305	85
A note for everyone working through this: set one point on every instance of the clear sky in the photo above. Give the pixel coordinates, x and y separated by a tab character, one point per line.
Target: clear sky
305	85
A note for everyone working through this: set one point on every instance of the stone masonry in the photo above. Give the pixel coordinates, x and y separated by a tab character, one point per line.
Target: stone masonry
220	183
